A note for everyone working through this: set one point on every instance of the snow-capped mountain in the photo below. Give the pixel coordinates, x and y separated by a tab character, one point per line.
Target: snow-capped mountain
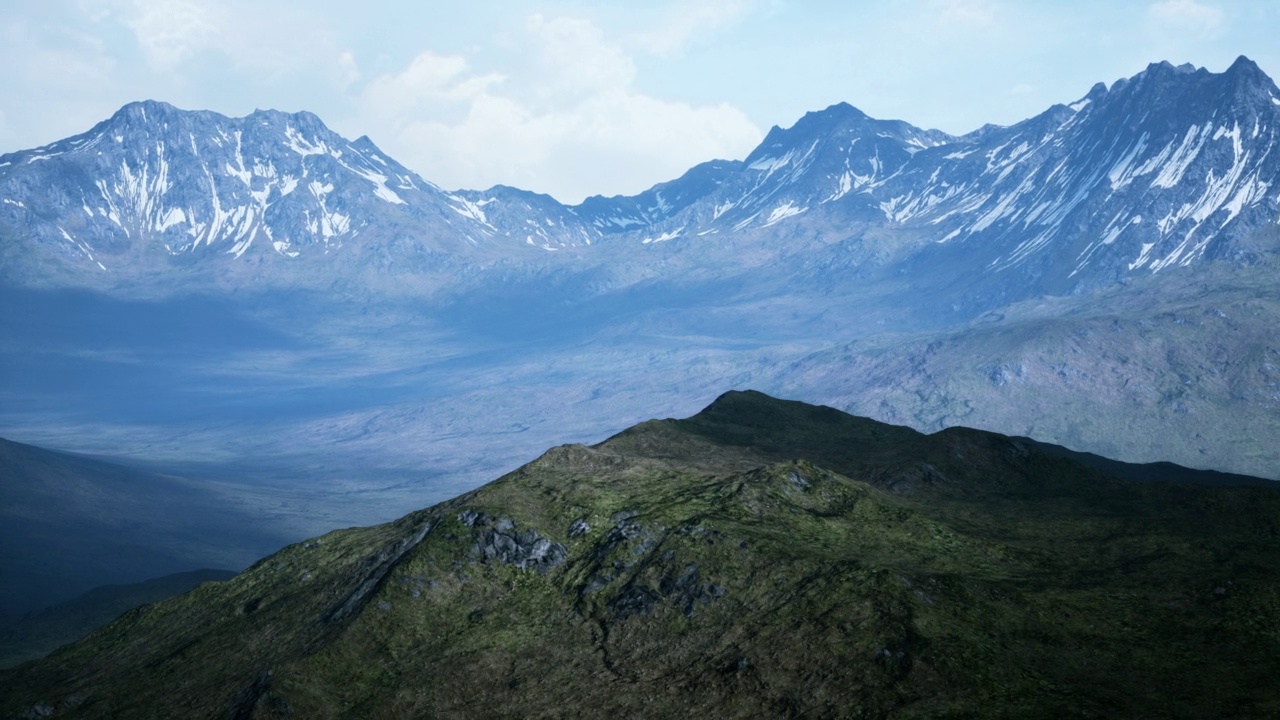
155	180
824	157
620	214
1166	168
528	218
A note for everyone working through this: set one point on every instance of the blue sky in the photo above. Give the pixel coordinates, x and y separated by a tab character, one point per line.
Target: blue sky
574	98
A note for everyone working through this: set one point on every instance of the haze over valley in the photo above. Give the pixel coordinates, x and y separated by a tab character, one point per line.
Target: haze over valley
259	300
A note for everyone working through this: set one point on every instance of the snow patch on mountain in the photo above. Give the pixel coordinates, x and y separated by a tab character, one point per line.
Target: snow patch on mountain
671	235
782	212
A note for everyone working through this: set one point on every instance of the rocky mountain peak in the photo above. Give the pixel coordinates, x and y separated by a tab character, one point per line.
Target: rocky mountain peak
144	111
1164	85
1247	68
155	181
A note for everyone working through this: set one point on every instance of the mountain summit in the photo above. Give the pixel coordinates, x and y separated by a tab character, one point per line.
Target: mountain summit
154	182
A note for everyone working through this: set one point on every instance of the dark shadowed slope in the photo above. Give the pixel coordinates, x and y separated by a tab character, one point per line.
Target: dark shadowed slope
70	523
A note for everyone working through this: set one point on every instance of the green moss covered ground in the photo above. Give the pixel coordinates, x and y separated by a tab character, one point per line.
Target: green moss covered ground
761	558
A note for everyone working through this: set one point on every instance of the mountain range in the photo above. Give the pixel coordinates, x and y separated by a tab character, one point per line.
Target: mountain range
1168	168
262	302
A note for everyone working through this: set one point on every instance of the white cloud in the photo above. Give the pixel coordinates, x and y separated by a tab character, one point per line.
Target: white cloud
430	83
566	120
171	31
264	40
966	14
572	59
66	62
53	82
93	10
348	69
686	21
1188	17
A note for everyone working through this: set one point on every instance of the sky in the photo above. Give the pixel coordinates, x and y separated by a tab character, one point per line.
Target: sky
576	98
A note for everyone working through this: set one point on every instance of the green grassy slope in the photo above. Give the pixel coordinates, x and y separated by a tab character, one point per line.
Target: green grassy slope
761	558
36	633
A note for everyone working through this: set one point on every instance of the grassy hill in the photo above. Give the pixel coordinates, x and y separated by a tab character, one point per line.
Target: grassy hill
763	557
36	633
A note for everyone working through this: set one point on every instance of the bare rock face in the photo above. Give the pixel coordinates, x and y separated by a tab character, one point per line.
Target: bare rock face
499	541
